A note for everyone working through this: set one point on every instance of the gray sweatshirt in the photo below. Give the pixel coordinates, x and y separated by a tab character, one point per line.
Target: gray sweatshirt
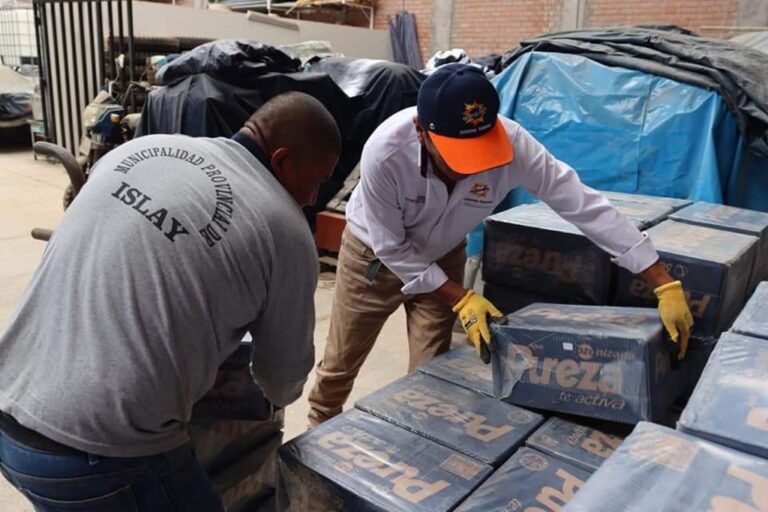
174	249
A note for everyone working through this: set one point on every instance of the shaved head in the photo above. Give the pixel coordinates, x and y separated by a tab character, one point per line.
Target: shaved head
300	123
301	140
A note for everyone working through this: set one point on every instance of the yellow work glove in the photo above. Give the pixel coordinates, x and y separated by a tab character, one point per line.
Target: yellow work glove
473	311
675	314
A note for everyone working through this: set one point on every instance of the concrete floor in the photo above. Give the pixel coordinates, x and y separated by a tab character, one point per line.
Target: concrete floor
30	196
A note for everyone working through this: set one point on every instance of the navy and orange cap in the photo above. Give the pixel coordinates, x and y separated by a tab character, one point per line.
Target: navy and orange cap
459	108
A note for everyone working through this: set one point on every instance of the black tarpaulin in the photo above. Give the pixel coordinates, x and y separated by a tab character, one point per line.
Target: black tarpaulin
230	58
214	98
737	73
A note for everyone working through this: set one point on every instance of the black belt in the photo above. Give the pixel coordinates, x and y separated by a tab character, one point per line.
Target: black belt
22	435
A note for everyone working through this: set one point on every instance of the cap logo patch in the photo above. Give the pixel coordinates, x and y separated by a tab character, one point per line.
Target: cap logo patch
479	189
474	113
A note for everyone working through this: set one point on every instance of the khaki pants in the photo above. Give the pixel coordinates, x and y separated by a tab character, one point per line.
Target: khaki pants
360	308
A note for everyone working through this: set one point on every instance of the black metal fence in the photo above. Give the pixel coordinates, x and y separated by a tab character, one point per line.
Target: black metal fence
78	42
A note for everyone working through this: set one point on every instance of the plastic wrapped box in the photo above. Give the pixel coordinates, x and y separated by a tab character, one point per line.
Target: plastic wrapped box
713	265
529	481
658	469
463	367
753	319
576	444
730	403
597	361
475	425
738	220
356	462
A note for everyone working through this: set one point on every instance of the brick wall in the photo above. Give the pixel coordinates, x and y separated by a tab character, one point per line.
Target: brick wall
488	26
494	26
691	14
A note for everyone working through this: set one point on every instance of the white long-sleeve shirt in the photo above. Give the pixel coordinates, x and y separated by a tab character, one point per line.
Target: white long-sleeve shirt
409	219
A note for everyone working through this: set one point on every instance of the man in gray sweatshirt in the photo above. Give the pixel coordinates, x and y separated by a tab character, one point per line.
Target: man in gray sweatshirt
174	249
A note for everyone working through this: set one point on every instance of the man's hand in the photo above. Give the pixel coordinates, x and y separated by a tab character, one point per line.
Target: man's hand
675	314
473	311
673	308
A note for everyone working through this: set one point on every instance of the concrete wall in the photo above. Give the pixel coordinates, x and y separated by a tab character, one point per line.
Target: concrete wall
161	20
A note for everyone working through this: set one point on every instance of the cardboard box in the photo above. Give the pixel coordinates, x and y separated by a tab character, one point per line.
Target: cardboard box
530	248
357	462
713	265
529	481
475	425
508	300
658	469
582	446
463	367
240	457
699	351
730	403
596	361
753	319
649	209
235	395
737	220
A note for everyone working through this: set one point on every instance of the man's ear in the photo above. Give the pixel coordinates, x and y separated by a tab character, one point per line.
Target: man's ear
278	159
419	129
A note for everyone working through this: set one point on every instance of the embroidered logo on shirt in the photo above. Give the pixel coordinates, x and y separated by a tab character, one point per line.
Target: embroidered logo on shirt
479	189
474	113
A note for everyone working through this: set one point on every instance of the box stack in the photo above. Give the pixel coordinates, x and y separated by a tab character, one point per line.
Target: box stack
662	470
596	361
533	255
359	462
713	265
236	436
470	423
737	220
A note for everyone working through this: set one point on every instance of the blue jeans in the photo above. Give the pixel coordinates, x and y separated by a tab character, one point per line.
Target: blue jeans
54	482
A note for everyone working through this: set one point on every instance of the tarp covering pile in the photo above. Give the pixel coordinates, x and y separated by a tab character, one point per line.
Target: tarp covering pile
642	110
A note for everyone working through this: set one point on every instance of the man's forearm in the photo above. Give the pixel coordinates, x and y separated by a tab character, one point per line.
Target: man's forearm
450	292
656	275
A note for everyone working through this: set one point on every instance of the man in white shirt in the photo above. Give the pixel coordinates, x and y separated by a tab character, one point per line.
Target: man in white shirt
429	175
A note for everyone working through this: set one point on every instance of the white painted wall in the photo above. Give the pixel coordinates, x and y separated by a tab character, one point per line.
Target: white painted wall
162	20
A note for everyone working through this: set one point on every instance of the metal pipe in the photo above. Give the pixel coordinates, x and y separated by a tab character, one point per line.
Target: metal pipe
77	69
129	15
73	91
101	71
57	106
67	114
93	88
120	26
111	41
42	61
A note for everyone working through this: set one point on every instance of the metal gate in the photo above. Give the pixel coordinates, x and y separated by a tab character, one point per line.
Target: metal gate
78	42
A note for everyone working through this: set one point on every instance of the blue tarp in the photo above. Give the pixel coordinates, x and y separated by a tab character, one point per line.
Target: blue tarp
629	131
